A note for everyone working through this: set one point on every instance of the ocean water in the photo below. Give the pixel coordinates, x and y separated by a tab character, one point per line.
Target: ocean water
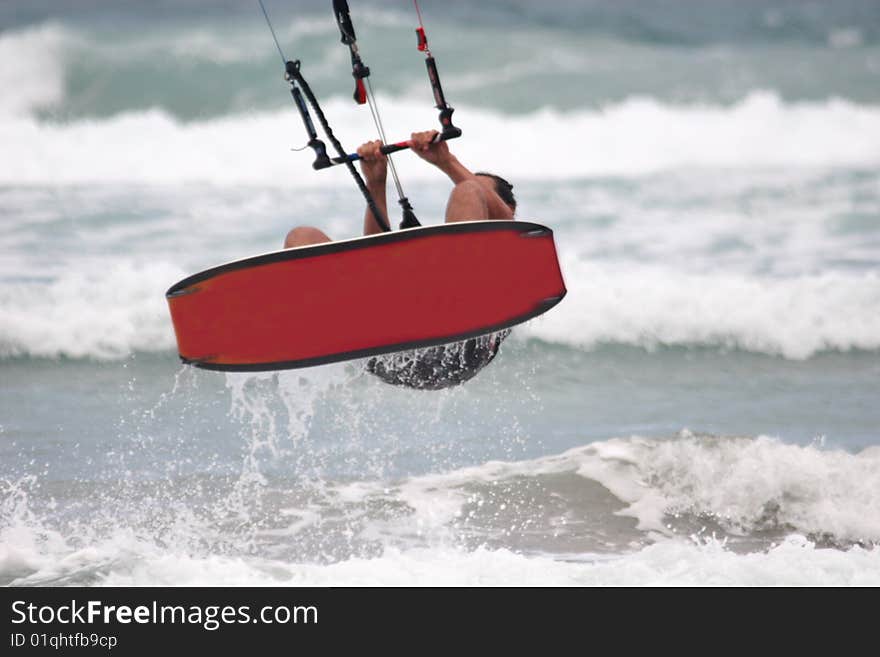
702	409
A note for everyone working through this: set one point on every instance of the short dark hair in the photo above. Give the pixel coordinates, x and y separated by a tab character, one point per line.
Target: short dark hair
503	188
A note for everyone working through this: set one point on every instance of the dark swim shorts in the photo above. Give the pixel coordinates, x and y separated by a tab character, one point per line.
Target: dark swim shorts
438	367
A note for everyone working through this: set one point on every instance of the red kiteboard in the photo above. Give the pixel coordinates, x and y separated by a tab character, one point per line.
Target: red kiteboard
366	296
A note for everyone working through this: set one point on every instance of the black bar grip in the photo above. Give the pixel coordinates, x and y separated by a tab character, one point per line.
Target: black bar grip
388	149
343	19
434	78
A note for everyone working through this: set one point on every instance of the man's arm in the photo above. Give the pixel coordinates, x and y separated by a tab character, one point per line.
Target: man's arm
440	156
374	166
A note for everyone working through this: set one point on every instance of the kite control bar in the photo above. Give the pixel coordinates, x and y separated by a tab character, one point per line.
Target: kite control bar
303	98
386	149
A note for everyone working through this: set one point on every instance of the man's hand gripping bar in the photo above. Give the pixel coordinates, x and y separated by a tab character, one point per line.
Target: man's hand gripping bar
387	149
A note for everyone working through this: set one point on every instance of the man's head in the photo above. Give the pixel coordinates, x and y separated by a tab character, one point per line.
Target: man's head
503	188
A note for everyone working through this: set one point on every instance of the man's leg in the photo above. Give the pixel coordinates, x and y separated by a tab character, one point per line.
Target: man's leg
304	236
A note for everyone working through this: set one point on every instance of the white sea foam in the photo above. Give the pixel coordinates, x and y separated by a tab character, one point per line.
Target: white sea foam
124	561
794	317
635	137
102	313
109	313
30	74
747	484
26	544
794	562
33	554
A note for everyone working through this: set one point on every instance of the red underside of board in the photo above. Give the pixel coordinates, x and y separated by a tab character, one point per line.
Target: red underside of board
343	300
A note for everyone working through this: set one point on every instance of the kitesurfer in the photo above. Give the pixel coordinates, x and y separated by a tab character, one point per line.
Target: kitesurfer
475	196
